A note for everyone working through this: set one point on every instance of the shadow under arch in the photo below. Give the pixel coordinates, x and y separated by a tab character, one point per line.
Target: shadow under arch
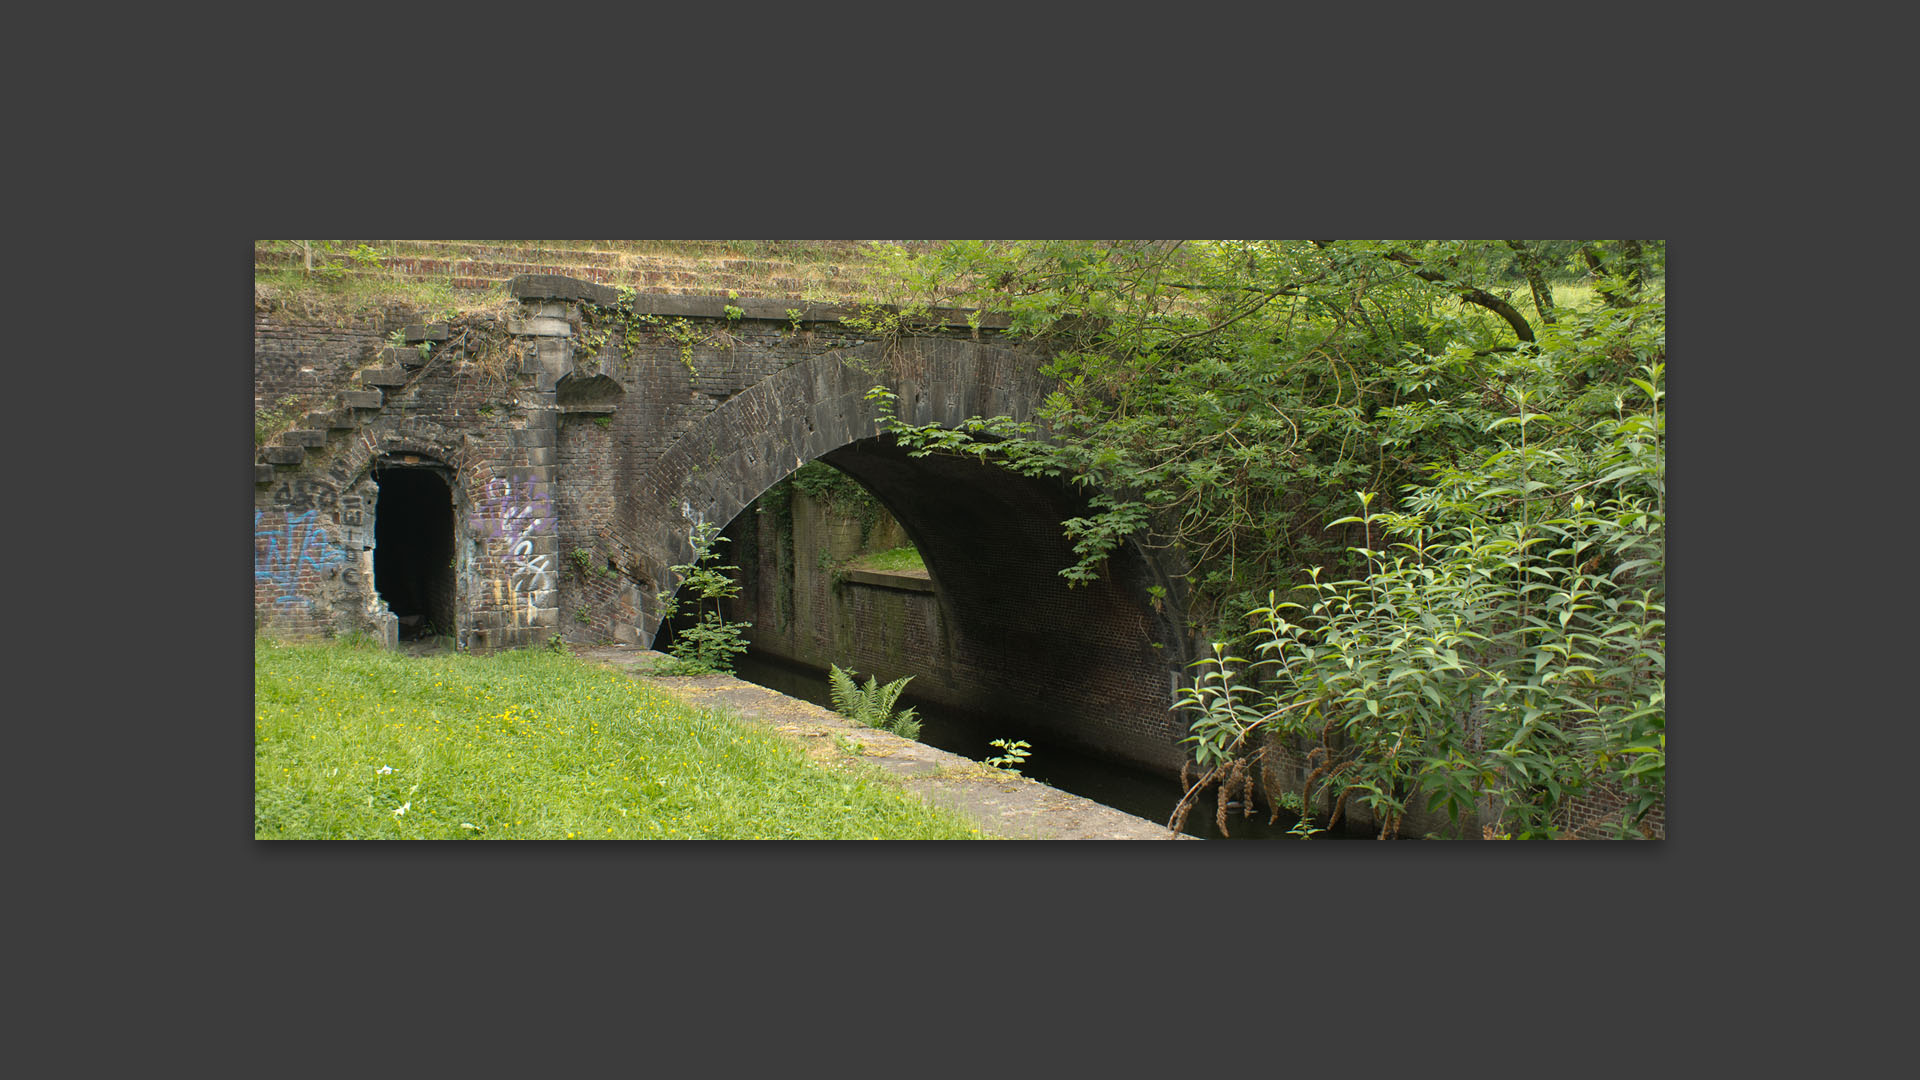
1094	665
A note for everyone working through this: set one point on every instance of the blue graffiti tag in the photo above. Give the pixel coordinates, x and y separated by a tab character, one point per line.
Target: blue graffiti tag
280	552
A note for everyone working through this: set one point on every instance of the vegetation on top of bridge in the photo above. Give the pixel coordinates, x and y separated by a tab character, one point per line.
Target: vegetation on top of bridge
1420	486
336	279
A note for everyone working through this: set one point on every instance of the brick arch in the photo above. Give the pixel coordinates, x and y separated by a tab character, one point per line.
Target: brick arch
1095	661
759	436
401	435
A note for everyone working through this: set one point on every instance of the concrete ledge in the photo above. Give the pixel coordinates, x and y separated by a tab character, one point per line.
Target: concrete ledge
887	579
384	376
558	287
363	399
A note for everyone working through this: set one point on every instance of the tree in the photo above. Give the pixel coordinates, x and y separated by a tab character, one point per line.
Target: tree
1228	400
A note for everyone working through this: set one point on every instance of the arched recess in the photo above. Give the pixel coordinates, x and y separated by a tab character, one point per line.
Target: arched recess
415	530
1094	664
434	547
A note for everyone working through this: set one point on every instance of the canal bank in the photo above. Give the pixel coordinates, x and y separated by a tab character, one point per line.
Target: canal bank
1004	805
1125	787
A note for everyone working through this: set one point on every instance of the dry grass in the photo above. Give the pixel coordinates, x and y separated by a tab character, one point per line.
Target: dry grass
802	270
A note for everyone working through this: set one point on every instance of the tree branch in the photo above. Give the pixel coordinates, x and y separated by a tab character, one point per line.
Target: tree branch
1471	294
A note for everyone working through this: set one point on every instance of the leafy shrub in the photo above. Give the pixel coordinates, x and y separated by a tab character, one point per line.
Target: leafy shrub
711	643
1512	647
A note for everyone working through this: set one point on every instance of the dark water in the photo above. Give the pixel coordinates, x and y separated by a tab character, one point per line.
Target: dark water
1137	791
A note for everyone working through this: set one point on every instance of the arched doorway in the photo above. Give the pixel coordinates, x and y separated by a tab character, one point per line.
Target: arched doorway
413	554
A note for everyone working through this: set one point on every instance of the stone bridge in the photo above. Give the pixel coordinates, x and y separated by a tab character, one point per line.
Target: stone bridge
502	481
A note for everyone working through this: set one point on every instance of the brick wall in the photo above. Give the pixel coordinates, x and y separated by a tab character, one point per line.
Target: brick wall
313	359
491	439
808	610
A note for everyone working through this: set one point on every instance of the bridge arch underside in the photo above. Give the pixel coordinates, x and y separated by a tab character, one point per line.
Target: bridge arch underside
1079	663
1092	666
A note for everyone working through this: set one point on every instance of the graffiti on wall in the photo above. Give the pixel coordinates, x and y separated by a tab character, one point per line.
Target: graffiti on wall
510	514
285	544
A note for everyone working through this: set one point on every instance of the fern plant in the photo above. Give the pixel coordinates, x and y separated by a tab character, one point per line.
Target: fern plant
873	703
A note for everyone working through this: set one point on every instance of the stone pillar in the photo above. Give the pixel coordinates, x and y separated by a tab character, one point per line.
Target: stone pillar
514	514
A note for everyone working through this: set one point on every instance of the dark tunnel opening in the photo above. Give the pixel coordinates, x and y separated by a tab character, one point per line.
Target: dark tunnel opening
997	629
413	552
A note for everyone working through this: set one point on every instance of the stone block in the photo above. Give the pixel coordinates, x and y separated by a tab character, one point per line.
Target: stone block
263	474
384	376
304	437
560	287
362	399
539	326
417	332
536	435
283	455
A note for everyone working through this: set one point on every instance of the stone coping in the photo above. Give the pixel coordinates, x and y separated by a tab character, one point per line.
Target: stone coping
889	579
560	287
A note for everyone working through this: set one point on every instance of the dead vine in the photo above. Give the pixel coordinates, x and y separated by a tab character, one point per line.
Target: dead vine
1235	777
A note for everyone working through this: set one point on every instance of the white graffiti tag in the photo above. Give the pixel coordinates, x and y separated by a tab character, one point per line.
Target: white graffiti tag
512	514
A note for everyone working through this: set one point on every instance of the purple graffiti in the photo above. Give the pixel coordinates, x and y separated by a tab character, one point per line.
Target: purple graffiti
514	513
513	509
281	551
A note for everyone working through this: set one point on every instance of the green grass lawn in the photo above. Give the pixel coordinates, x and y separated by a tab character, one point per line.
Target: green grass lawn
900	558
355	742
